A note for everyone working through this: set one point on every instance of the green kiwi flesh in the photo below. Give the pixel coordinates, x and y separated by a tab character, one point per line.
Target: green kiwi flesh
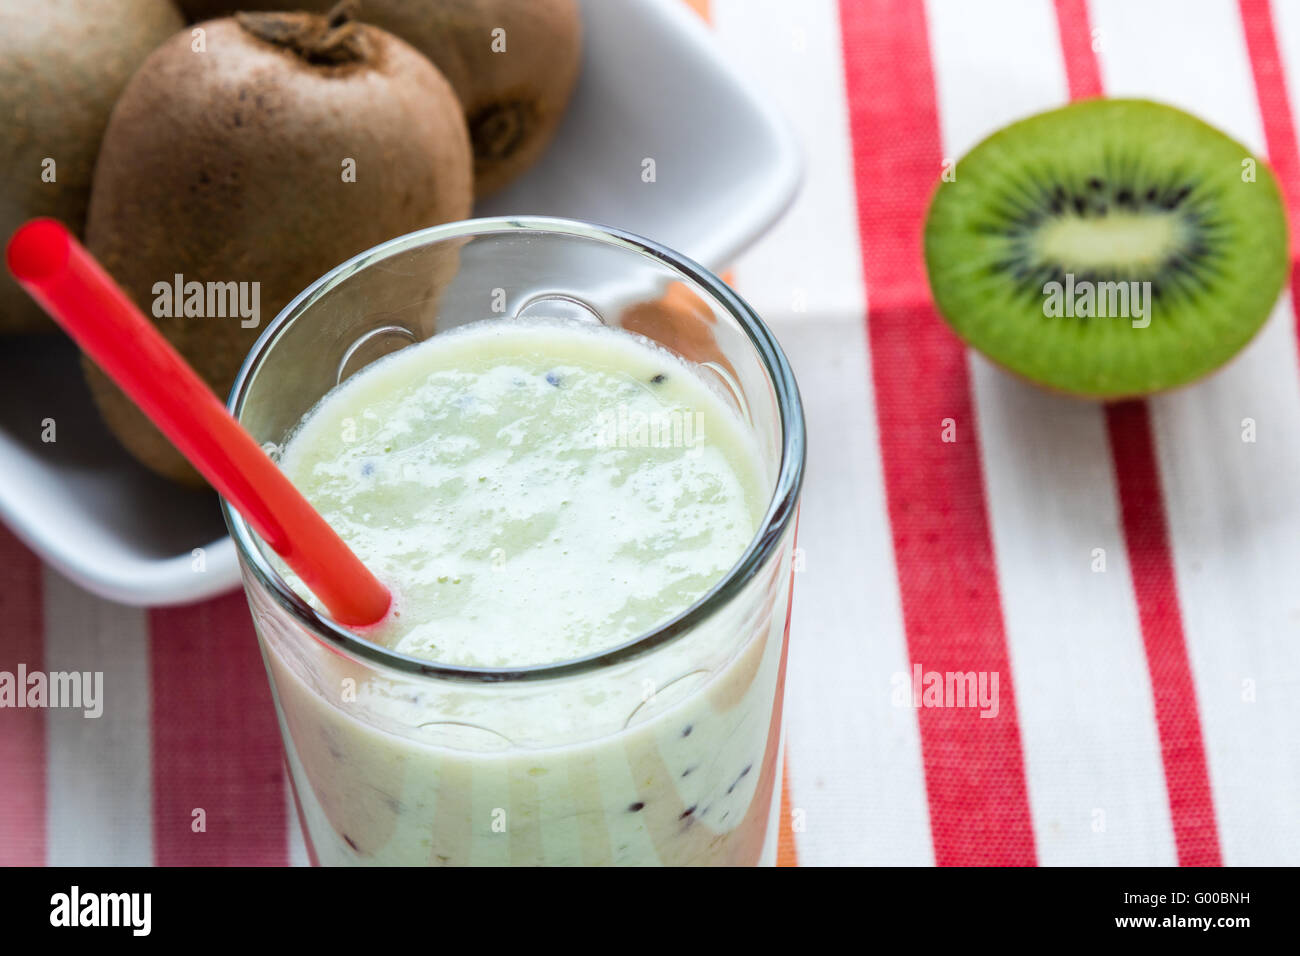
1040	245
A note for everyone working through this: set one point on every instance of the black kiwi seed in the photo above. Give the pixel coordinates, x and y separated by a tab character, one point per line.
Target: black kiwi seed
636	807
736	783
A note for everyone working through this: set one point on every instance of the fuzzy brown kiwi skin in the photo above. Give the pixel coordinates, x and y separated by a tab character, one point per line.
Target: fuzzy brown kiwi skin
226	165
62	66
514	101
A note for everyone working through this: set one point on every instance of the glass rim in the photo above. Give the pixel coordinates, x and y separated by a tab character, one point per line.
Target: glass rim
776	519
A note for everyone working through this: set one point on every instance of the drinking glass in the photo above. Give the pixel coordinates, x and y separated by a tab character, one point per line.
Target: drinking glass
666	748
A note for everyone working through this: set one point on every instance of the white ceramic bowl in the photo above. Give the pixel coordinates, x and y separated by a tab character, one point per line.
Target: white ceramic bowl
653	86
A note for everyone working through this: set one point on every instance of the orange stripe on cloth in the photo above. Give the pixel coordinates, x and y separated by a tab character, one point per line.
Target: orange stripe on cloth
786	853
701	7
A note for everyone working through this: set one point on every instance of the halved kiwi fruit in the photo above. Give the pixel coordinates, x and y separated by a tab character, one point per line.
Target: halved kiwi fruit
1110	248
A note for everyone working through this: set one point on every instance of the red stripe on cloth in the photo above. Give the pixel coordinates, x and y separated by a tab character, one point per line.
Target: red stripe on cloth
1274	103
1187	776
216	745
1279	122
1151	560
1082	71
22	730
952	614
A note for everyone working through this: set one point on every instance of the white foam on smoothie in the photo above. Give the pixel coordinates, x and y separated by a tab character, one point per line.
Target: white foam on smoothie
531	491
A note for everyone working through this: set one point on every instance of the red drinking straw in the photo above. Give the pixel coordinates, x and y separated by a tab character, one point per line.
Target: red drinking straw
66	281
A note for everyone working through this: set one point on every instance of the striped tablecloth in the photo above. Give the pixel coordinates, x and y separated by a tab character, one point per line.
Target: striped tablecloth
1129	572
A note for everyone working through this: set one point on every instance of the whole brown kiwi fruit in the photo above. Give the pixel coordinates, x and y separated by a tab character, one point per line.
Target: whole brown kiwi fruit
513	98
231	165
62	65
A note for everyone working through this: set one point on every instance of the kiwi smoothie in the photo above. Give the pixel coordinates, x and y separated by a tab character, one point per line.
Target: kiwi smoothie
534	493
